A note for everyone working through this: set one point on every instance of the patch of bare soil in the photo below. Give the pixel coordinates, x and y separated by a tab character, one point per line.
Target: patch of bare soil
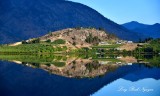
128	59
129	47
15	44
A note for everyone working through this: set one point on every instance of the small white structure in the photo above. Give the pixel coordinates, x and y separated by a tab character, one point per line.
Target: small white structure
118	62
119	57
104	43
129	42
129	64
121	42
104	62
118	42
118	48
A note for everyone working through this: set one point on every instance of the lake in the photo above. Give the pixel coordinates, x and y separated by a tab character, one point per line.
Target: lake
72	76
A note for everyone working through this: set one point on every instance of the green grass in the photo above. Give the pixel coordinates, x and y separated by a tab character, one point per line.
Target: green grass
31	48
108	46
59	41
59	64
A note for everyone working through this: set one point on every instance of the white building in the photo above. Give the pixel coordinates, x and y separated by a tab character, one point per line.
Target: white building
104	43
129	42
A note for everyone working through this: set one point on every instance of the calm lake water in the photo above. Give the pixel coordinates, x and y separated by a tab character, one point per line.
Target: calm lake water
126	80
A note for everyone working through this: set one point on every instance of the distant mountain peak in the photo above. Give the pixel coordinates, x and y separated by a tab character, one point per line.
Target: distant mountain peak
144	29
133	25
157	24
133	22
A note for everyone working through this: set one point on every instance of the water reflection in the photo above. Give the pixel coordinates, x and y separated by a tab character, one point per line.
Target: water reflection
143	81
17	79
64	65
79	67
123	87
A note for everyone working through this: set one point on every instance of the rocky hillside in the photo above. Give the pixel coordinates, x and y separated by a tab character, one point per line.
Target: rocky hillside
81	68
79	37
24	19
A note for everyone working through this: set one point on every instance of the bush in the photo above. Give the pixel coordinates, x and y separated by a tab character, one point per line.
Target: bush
92	40
24	42
48	41
59	41
74	43
33	41
59	64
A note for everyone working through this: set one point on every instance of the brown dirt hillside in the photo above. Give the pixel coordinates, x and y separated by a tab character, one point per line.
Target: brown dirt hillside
77	37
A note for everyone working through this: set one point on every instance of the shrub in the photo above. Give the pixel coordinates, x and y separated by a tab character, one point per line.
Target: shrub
59	41
90	39
24	42
59	64
36	40
48	41
74	43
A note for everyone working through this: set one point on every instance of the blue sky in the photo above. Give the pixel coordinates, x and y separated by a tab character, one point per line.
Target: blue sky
122	11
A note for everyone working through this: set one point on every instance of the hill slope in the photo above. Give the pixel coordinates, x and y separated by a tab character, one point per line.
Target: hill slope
144	29
60	41
78	38
24	19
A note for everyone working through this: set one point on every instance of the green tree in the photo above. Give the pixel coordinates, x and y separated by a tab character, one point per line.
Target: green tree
24	42
48	41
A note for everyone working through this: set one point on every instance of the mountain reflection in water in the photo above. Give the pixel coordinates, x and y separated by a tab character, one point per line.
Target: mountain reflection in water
28	78
71	66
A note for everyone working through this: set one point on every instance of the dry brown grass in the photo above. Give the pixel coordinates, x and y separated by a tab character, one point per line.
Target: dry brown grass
128	59
129	47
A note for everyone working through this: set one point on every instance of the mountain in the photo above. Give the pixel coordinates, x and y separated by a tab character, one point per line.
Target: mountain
24	19
133	25
144	29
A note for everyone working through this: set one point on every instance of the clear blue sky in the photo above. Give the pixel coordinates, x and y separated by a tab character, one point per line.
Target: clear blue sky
122	11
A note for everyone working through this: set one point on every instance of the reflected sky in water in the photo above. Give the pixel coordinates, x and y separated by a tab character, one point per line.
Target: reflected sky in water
122	87
20	80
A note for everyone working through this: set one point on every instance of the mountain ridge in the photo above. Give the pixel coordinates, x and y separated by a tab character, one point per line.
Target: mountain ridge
23	19
144	29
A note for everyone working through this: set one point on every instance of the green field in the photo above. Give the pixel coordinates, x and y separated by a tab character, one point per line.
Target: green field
108	46
31	48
